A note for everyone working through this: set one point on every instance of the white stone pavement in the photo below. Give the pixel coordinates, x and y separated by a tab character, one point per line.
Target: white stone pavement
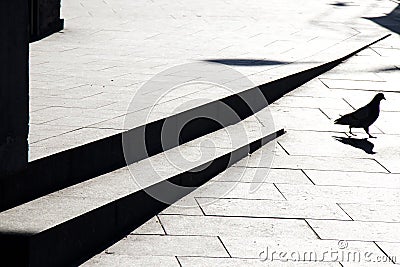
83	79
322	194
319	191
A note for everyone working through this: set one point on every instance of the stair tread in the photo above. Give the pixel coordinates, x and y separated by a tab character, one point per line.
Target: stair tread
55	208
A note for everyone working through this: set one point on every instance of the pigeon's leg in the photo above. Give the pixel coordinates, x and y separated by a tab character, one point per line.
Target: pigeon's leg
367	131
350	131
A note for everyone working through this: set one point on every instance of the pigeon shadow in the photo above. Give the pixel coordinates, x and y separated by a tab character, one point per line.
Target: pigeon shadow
363	143
391	21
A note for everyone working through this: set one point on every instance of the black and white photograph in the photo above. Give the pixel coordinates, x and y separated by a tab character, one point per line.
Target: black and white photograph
189	133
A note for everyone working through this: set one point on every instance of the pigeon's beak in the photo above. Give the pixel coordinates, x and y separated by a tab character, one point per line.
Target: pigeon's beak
384	98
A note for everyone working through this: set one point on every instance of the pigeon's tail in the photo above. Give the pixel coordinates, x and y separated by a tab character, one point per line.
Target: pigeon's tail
344	120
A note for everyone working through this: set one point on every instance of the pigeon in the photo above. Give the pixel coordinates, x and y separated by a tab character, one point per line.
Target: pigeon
363	117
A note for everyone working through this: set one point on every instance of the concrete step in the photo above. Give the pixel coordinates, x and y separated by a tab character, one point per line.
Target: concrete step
71	225
78	164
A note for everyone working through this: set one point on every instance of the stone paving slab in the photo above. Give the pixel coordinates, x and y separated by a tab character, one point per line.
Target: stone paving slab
312	102
184	206
360	85
361	179
151	227
156	245
372	212
234	190
265	175
127	260
276	209
356	230
234	226
322	163
339	194
390	164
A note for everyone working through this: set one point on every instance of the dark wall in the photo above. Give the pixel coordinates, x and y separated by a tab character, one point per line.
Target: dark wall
44	18
14	40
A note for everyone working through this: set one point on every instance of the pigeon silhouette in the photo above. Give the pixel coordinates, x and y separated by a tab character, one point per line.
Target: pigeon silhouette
363	117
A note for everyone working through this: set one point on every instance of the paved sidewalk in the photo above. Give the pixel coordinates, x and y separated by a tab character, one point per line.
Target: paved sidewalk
322	194
83	79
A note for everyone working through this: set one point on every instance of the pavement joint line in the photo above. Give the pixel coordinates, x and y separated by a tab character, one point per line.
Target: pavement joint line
382	166
259	217
245	182
350	221
358	186
344	186
308	177
353	80
177	259
283	148
365	221
282	168
317	131
313	184
222	243
335	157
146	234
320	79
324	114
260	121
355	30
103	128
211	257
372	48
85	97
200	207
324	156
70	131
364	90
348	103
277	188
190	235
162	225
242	198
293	107
344	211
382	132
312	229
181	214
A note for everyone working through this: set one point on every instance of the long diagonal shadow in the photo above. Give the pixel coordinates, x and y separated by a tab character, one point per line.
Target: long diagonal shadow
246	62
363	143
390	21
